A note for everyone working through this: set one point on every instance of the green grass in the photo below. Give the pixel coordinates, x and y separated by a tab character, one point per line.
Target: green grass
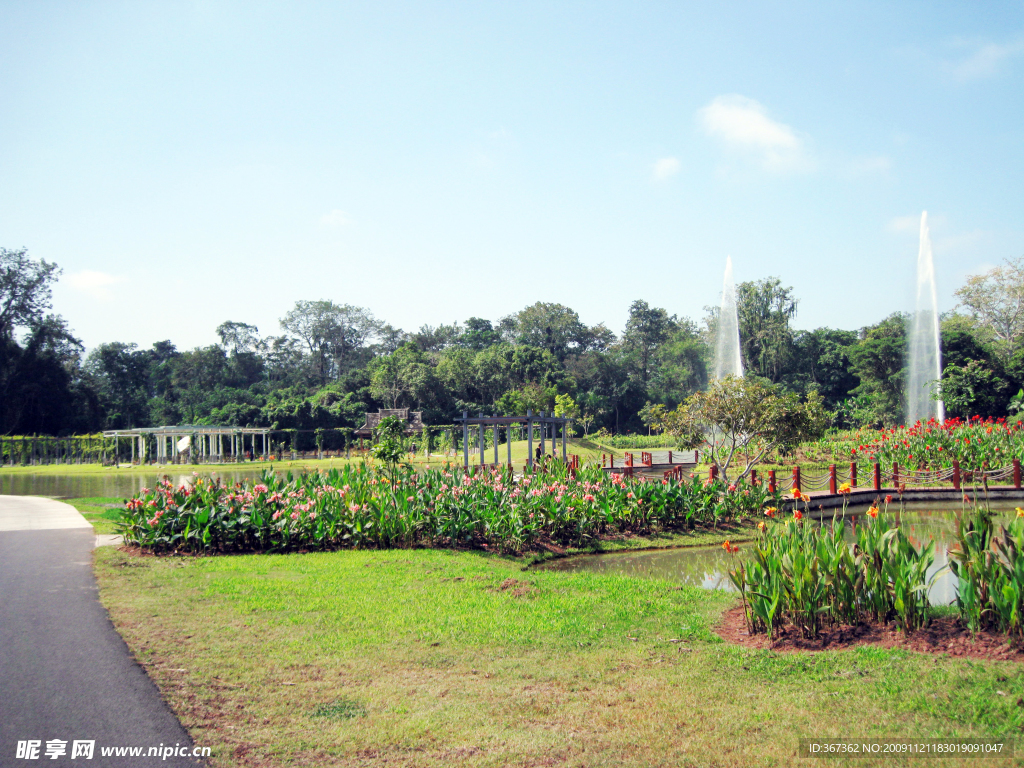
101	511
437	657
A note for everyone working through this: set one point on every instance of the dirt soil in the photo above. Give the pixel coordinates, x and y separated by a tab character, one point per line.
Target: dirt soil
943	635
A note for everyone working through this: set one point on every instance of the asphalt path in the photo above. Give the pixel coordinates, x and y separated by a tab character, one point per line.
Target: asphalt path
65	673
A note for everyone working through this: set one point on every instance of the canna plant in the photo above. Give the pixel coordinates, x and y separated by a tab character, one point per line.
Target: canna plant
394	506
988	561
810	576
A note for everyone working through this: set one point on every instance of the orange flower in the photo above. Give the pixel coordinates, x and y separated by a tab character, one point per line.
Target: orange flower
760	526
873	512
726	545
770	512
798	515
1020	512
845	488
796	494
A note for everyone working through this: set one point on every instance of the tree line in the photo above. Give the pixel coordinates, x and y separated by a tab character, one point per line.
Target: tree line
332	362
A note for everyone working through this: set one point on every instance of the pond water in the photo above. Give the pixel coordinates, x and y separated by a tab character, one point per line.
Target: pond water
707	567
110	484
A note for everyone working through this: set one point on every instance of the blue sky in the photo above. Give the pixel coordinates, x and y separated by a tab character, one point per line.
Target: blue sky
191	163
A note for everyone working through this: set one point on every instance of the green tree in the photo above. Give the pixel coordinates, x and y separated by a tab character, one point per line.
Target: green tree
972	389
552	327
121	372
745	417
995	299
397	377
333	335
25	290
764	309
877	360
646	330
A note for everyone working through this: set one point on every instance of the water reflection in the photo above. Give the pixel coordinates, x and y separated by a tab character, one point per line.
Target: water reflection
109	484
707	567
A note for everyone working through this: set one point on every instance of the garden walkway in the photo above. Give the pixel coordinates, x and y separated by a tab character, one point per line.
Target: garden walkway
65	673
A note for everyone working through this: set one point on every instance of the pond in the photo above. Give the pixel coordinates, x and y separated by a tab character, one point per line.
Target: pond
707	567
109	484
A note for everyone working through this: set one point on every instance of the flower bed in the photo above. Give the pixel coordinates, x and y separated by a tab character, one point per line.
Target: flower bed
811	578
975	443
370	506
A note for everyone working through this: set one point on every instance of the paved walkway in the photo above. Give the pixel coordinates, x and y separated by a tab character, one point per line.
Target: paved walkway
65	673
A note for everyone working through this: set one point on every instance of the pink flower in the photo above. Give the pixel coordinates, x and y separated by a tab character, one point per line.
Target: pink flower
410	498
588	497
295	515
312	515
260	488
630	495
354	507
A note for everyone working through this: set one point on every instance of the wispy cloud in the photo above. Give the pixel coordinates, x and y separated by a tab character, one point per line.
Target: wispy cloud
743	124
985	61
665	167
94	284
336	218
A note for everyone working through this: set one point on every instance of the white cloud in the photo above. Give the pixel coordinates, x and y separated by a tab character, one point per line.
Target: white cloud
665	167
94	284
743	124
335	218
985	61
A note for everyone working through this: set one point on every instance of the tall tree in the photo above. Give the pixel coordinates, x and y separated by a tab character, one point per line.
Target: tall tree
553	327
332	333
877	360
765	309
996	300
121	373
646	330
25	290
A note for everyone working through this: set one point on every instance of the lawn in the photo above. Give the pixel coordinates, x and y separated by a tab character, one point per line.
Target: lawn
439	657
102	511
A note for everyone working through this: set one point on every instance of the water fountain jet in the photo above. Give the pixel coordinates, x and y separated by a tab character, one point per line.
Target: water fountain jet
925	365
728	361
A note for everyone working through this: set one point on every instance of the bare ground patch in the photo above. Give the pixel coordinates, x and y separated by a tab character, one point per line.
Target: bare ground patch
943	635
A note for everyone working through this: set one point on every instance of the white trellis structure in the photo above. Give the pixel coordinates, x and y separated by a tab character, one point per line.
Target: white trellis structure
539	427
189	443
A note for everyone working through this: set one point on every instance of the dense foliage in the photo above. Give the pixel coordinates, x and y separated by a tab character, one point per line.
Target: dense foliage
333	362
811	577
369	506
988	562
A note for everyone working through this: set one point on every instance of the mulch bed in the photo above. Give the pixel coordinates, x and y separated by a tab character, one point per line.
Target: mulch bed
942	635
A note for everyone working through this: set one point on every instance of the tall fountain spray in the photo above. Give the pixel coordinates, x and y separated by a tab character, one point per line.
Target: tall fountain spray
727	346
925	367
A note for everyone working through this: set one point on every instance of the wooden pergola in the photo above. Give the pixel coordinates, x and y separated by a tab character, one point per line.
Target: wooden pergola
172	442
549	426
